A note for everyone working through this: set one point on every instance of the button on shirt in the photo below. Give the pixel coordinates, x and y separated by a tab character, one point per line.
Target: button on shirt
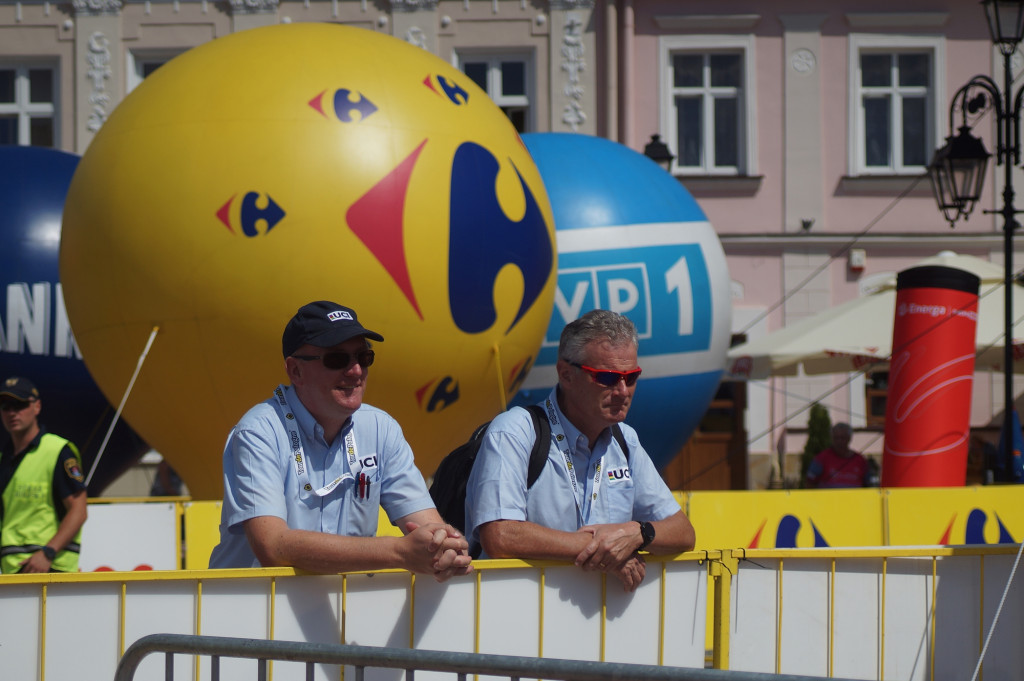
629	490
260	477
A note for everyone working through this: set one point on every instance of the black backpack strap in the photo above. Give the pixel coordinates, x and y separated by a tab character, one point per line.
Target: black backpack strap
541	445
621	439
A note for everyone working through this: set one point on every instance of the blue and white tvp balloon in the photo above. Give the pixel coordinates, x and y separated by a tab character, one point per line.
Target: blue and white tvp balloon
631	239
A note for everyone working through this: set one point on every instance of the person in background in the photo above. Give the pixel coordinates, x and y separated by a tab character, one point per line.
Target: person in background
306	471
593	503
839	466
42	488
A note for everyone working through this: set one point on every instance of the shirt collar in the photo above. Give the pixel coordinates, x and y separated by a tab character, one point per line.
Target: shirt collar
9	445
573	434
308	425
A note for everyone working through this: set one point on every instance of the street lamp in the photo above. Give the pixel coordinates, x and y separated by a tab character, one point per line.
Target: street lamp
958	169
658	151
958	173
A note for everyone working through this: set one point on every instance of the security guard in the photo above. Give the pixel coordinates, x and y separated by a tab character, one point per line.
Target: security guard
42	489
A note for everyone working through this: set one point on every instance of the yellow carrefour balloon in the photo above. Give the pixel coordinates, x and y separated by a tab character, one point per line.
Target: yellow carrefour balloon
281	165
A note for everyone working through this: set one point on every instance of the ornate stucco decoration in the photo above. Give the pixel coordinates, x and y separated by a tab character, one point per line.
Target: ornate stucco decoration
413	5
98	72
803	61
94	7
566	5
574	66
253	6
416	36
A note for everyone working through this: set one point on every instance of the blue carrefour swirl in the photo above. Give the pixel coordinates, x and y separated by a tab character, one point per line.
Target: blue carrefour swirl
483	240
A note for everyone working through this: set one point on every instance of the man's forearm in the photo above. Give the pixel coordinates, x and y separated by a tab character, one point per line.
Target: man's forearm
674	534
76	512
319	552
523	539
275	544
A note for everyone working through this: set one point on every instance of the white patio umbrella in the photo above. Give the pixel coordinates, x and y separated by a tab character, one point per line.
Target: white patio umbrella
858	334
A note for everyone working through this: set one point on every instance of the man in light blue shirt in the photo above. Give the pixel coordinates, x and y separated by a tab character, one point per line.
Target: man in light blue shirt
593	503
305	471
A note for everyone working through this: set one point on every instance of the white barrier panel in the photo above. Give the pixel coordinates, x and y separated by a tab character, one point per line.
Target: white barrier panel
506	607
131	536
876	617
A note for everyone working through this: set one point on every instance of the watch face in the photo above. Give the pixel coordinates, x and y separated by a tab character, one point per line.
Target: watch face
647	532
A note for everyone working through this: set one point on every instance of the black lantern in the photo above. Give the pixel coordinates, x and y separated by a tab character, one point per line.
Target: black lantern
957	172
1005	23
658	151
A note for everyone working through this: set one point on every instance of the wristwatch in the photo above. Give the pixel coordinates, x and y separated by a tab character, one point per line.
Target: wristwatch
49	552
647	533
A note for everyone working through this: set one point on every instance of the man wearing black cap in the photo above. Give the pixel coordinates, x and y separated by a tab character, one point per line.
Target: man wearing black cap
42	489
305	471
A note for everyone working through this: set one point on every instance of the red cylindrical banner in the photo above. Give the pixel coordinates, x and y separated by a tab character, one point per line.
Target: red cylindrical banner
927	414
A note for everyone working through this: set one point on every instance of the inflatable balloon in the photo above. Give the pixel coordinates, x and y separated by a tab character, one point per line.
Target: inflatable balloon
632	239
298	162
36	340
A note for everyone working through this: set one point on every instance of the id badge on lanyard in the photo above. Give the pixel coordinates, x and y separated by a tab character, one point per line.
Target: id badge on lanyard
298	458
562	442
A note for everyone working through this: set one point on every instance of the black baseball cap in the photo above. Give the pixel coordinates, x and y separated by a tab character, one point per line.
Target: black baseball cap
323	324
20	389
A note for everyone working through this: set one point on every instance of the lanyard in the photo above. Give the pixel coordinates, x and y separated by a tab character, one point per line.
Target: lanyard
355	468
560	440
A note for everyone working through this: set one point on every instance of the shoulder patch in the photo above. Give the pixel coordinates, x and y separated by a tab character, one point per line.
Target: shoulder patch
73	470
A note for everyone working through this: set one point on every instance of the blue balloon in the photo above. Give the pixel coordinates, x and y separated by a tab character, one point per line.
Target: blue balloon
633	240
36	340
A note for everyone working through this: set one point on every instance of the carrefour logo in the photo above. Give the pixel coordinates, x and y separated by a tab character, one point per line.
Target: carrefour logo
256	209
348	106
482	239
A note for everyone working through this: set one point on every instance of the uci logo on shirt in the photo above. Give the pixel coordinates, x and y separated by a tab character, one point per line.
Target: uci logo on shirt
368	461
617	474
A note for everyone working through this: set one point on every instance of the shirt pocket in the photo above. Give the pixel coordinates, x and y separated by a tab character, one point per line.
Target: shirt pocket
363	504
618	493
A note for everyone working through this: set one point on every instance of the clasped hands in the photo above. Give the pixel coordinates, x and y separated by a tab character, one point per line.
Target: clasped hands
613	550
437	549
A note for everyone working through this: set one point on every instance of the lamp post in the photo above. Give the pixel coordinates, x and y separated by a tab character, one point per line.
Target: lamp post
958	169
658	151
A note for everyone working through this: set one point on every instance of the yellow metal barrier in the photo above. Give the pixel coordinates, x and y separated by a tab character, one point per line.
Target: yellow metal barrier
912	614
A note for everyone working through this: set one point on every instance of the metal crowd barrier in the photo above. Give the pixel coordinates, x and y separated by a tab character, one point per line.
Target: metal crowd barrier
361	657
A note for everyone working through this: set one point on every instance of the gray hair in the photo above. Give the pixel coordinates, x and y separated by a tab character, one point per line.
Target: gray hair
596	325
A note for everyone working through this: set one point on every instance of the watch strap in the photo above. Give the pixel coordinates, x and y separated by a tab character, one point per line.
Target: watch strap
49	552
646	534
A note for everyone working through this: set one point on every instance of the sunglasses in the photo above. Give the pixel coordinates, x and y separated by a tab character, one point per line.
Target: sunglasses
609	378
336	361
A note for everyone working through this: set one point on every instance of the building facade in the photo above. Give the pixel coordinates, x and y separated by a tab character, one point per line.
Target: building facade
802	128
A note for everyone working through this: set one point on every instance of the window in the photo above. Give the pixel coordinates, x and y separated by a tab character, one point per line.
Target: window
705	106
895	117
143	63
28	105
876	393
508	80
706	94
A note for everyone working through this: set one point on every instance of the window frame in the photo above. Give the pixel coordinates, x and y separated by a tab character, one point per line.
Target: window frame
860	44
493	58
747	130
138	59
26	110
